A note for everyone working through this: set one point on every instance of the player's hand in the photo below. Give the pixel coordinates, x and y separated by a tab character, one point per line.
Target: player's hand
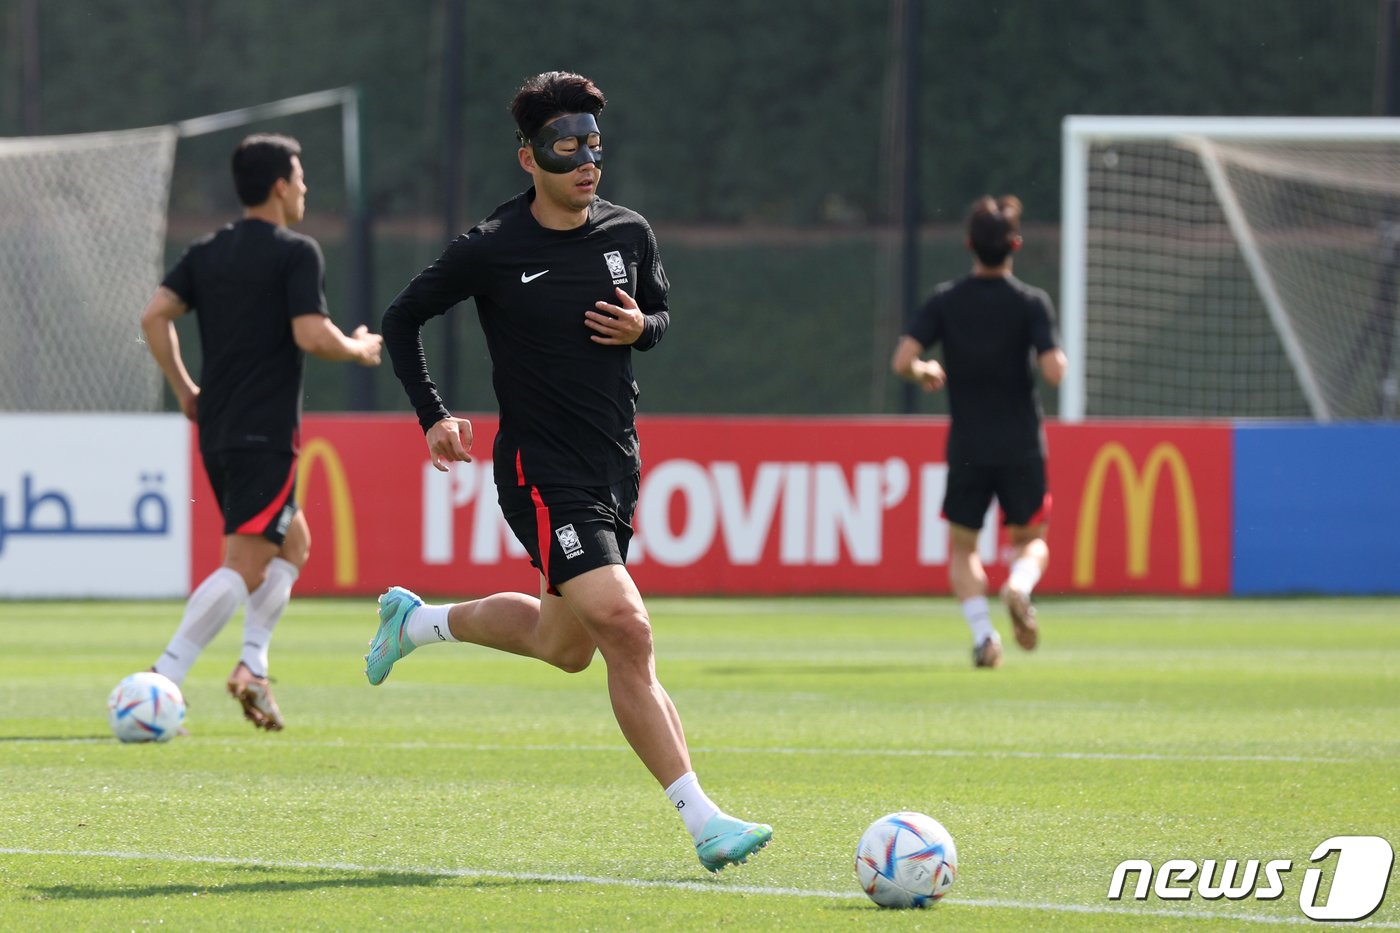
449	440
931	375
371	345
189	405
618	325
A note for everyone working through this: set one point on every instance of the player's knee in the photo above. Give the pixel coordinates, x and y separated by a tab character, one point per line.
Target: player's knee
253	577
296	554
296	546
963	539
1026	535
574	658
628	634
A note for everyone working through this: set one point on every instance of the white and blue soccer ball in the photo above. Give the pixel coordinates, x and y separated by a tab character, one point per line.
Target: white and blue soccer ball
906	859
146	707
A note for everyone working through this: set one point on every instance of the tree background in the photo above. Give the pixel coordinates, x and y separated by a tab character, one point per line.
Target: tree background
758	138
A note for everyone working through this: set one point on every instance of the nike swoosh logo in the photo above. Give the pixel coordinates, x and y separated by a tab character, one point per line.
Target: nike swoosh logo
526	279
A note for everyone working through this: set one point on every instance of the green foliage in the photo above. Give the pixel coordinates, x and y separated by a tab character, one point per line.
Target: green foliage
784	325
477	790
736	111
745	115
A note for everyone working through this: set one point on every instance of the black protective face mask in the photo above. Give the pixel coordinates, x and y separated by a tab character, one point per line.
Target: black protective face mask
579	126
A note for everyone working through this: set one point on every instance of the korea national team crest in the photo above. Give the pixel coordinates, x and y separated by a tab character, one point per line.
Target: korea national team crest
568	541
616	268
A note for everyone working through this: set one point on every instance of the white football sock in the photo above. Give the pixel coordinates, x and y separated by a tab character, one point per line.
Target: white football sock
265	606
1025	574
427	625
691	803
979	619
207	611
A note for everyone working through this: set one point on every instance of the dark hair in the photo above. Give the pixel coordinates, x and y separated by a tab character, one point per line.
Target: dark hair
552	94
258	162
993	226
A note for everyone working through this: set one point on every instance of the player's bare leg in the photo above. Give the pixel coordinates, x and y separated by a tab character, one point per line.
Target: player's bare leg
1029	559
549	629
544	628
249	556
968	580
607	604
600	611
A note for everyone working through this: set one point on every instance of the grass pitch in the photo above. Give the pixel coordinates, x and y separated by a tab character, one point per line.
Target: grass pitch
477	790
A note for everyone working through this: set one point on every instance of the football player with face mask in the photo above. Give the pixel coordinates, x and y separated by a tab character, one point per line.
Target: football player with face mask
566	286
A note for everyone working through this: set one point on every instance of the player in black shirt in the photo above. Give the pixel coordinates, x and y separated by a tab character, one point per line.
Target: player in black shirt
566	286
257	289
989	323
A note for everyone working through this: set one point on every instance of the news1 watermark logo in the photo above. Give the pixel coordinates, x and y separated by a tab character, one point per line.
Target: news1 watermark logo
1358	879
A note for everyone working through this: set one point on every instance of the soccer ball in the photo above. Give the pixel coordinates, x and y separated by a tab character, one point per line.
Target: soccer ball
145	707
906	859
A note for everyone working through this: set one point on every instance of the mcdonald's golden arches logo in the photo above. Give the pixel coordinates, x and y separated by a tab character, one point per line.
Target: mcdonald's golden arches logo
1139	494
345	545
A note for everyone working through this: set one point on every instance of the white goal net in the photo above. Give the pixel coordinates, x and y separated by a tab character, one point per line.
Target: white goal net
83	247
82	238
1219	267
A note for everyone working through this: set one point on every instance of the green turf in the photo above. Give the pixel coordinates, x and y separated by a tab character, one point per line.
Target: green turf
476	790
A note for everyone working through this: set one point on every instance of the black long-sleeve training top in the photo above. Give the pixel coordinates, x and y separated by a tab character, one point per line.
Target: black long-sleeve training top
567	405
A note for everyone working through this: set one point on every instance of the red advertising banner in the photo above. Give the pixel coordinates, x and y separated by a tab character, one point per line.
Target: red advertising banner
380	514
763	506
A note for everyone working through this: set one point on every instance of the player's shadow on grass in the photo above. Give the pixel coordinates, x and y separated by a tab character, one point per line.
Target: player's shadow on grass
323	879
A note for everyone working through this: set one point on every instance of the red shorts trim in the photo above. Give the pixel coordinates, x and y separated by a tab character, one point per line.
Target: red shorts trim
543	526
259	522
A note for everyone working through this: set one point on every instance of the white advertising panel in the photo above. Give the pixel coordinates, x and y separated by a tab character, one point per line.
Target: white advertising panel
94	505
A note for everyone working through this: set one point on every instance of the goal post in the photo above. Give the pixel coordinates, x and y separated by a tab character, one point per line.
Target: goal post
1230	267
346	98
82	247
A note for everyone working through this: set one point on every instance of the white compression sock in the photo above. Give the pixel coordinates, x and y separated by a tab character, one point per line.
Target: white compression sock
265	606
1025	574
979	619
691	803
208	609
427	625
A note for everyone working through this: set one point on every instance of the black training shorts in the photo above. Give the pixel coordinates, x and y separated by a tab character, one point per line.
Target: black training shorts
256	490
1020	489
570	530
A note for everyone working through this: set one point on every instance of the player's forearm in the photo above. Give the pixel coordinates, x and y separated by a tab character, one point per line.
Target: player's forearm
332	344
905	356
403	338
164	345
906	367
653	330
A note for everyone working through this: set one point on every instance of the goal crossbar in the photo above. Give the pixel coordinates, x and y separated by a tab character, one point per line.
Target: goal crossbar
82	242
1221	145
347	98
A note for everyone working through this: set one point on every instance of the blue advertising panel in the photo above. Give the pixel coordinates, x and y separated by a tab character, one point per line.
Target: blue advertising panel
1317	509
